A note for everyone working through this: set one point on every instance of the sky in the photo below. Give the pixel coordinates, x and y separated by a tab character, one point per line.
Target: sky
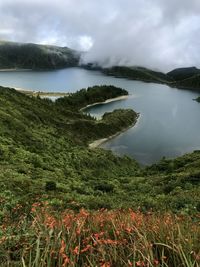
159	34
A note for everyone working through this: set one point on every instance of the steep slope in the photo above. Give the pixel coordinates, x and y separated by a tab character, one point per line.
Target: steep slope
183	73
61	202
33	56
44	155
186	78
138	73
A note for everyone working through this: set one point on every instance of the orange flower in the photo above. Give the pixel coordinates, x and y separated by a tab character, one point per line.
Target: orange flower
156	262
130	263
140	263
117	233
76	250
78	231
106	264
88	247
33	210
66	261
62	248
128	229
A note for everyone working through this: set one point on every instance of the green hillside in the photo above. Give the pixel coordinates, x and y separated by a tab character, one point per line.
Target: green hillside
44	153
184	78
138	73
190	83
183	73
33	56
63	204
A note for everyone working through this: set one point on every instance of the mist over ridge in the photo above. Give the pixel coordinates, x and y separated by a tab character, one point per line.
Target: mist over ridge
156	34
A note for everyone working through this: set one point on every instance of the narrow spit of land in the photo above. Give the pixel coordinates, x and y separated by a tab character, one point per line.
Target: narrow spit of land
41	93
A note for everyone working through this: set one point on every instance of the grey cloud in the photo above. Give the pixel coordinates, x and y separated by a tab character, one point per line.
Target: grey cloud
154	33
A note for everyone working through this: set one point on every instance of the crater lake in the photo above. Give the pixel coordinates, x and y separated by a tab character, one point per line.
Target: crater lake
169	121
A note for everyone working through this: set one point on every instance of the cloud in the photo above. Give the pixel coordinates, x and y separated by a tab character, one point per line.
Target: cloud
154	33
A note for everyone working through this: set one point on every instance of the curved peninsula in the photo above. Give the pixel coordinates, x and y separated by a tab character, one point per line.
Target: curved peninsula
44	155
111	124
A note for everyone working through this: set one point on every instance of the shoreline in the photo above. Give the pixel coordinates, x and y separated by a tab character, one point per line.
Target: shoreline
47	93
14	70
98	142
118	98
40	93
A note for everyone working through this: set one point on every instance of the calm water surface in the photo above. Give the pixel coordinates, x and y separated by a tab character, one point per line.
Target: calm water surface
169	123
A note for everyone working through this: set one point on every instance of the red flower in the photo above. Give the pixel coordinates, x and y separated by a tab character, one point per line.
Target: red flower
76	250
156	262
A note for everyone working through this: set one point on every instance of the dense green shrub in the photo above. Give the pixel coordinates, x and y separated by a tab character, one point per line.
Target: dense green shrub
50	186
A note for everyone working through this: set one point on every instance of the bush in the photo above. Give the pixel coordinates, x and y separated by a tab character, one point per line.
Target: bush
50	186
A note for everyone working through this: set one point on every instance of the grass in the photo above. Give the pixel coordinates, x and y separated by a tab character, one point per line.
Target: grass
99	238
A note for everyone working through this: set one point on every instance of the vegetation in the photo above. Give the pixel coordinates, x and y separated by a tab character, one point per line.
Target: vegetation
197	99
190	83
185	78
188	78
48	175
43	94
183	73
33	56
99	238
138	73
91	95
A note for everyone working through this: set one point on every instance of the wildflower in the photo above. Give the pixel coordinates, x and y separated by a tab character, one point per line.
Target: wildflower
33	209
140	263
133	215
128	229
78	231
62	248
88	247
117	233
130	263
84	213
66	261
76	250
106	264
156	262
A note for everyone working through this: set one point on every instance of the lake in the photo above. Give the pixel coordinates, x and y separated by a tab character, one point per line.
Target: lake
169	122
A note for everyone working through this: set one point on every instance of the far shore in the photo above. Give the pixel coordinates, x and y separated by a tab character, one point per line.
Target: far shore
99	142
13	69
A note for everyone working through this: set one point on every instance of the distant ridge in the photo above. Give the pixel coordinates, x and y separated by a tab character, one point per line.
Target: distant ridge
34	56
42	57
183	73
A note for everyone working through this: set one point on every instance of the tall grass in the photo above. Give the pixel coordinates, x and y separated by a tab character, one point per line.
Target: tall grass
47	238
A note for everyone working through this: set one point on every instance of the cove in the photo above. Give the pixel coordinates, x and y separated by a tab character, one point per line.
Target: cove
169	123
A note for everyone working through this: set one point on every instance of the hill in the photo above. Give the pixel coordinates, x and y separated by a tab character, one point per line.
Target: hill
183	78
138	73
33	56
49	177
44	141
183	73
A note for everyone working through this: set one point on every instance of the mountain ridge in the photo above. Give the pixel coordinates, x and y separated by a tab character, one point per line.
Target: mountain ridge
15	55
36	56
